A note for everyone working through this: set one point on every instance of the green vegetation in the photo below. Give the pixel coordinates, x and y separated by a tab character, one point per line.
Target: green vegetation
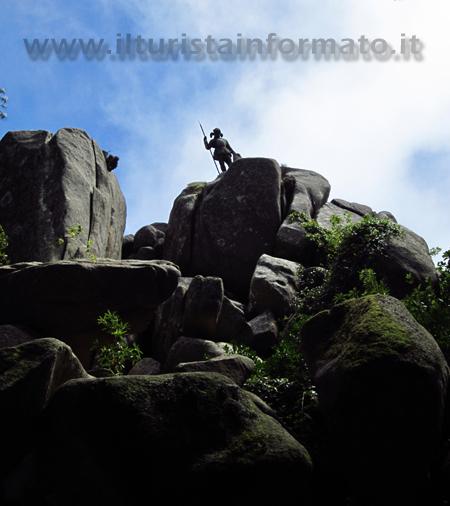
346	250
73	232
3	246
196	186
430	305
283	381
369	324
119	356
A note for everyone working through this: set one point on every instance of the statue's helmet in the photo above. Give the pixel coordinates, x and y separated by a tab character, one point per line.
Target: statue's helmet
216	131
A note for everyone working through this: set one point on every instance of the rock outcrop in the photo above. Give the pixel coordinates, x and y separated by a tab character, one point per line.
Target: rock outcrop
221	229
406	263
203	304
57	198
236	367
188	349
306	192
244	261
178	242
64	299
274	286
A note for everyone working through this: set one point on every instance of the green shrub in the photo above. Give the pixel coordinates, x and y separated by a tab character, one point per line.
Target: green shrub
283	380
370	285
430	305
119	356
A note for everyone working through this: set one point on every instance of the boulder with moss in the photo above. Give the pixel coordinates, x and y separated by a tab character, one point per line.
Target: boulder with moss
199	434
30	373
236	367
382	383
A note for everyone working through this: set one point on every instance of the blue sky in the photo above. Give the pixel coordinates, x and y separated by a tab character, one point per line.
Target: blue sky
378	131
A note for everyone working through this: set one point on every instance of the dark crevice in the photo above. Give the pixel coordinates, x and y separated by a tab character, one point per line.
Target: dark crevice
194	218
96	165
91	202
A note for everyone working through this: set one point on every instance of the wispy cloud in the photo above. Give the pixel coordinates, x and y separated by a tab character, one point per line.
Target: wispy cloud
360	124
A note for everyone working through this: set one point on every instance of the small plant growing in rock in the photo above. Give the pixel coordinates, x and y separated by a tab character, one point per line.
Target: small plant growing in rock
3	246
120	355
197	186
89	245
73	232
370	285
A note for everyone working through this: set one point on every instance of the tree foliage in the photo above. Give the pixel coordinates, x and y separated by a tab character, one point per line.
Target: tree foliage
120	355
3	103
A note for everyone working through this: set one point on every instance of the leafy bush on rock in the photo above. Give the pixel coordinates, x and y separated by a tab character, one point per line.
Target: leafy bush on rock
119	356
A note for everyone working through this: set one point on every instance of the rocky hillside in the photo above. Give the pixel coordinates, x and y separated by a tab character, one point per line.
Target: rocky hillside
259	348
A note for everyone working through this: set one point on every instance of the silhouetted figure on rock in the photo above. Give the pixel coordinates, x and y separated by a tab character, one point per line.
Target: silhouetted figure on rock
223	152
111	161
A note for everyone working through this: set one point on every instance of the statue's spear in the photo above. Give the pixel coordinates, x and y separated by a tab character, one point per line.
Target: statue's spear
204	135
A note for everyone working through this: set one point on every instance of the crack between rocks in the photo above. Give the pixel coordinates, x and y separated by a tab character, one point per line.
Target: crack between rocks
91	202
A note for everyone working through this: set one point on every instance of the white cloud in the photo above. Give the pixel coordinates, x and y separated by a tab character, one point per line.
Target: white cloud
357	123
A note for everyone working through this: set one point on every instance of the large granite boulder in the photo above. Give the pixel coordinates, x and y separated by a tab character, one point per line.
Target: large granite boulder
178	240
352	207
64	299
236	367
406	263
57	198
274	286
29	375
236	222
168	323
264	335
147	236
189	349
11	335
382	383
199	435
203	303
306	192
330	210
232	325
146	365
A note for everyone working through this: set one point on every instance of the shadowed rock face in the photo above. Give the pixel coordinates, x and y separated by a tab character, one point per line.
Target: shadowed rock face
51	185
199	435
29	375
222	229
237	221
382	383
64	299
306	192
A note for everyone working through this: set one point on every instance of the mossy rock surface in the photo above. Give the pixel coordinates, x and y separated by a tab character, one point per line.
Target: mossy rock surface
29	375
382	383
184	436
